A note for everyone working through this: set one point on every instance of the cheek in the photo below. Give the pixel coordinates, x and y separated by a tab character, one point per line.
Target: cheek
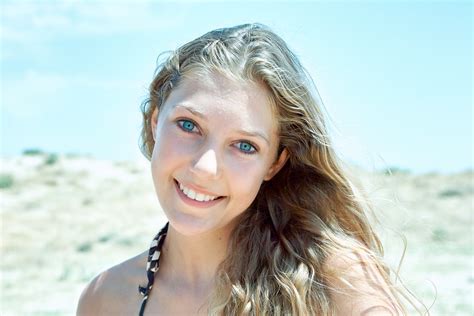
169	146
249	171
165	156
246	179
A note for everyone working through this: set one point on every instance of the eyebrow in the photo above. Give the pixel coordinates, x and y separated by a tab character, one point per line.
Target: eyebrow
192	110
201	115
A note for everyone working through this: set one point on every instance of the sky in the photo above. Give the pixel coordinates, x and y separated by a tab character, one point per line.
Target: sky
395	77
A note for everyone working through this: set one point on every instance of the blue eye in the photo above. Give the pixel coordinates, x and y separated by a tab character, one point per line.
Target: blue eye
247	148
186	125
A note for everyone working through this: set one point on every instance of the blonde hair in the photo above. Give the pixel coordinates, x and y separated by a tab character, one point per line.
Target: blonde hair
276	257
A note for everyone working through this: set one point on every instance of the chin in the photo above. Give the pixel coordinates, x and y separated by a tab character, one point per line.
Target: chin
190	225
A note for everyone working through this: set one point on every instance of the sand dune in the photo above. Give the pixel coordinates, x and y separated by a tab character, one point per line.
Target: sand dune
65	219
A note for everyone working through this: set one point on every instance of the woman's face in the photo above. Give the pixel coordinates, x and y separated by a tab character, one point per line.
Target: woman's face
215	143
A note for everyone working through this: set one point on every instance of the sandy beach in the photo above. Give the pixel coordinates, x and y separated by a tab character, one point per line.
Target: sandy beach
64	219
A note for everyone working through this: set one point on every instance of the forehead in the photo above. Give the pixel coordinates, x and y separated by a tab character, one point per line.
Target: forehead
233	103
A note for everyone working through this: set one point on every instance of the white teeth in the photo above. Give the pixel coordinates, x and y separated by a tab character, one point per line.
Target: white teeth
191	194
200	197
196	196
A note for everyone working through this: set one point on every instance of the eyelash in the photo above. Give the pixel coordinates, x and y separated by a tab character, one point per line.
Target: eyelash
182	121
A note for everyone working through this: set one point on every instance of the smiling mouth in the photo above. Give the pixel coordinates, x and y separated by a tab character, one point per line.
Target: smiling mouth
196	196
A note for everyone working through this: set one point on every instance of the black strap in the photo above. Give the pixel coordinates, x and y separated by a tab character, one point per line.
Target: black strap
153	264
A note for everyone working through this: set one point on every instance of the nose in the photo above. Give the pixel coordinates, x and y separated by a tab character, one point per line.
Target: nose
206	164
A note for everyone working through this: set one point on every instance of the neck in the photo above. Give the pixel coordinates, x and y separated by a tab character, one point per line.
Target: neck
189	263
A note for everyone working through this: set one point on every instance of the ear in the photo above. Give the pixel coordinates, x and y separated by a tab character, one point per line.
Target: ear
154	122
277	165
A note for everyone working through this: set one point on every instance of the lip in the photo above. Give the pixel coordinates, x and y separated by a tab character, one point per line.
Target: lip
191	202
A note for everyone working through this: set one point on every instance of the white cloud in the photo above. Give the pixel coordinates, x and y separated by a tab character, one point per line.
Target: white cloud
35	93
25	21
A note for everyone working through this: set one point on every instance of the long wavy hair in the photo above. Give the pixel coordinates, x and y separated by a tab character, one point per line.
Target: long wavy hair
275	264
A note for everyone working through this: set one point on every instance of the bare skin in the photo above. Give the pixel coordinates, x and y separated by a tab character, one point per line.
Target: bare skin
112	291
115	292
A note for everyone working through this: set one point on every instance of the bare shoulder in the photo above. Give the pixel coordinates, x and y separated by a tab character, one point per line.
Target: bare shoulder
92	297
359	286
114	289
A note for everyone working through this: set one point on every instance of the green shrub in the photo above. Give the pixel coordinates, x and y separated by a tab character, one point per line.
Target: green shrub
6	180
395	170
32	152
84	247
450	193
439	235
51	159
106	237
72	155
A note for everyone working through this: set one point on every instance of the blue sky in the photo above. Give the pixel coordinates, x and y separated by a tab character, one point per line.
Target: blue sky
395	77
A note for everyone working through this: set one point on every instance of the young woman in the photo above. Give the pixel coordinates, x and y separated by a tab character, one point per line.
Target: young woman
262	218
